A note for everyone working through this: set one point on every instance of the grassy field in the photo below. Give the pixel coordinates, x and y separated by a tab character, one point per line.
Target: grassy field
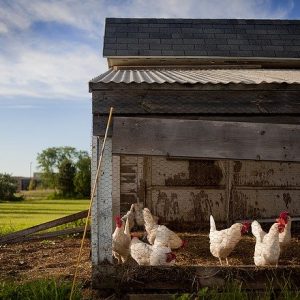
19	215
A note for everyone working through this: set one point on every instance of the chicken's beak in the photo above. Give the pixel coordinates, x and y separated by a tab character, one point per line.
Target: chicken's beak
281	228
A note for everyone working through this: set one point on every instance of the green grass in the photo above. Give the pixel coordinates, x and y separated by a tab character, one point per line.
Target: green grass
233	290
44	289
20	215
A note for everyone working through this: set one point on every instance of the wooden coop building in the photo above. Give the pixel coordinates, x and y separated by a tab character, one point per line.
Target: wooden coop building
206	121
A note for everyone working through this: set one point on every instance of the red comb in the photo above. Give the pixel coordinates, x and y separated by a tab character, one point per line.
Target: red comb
184	243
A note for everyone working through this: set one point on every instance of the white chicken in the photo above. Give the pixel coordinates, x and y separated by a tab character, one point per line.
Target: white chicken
139	218
151	255
222	242
138	213
267	249
130	216
121	240
168	237
162	253
140	252
285	236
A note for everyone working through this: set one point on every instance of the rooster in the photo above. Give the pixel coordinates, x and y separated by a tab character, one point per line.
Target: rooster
121	240
285	236
222	242
151	255
167	238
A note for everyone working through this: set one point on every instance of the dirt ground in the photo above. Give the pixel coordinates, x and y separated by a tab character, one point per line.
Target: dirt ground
50	258
197	252
57	258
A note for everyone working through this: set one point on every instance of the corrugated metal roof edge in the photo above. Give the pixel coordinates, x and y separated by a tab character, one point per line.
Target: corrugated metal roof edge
165	80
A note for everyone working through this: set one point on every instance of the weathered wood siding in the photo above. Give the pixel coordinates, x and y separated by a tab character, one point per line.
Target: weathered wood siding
206	139
262	189
257	189
181	191
132	181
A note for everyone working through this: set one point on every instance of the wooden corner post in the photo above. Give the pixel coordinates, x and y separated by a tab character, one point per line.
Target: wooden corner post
102	210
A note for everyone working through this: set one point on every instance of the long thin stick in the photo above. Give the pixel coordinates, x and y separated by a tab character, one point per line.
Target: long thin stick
91	202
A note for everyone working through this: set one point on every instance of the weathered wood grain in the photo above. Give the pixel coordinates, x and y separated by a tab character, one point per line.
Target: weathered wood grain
100	121
206	139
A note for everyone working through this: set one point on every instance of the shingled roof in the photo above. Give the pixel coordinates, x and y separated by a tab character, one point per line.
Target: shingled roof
202	37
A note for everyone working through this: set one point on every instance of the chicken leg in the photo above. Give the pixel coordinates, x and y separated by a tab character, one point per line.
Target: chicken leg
220	261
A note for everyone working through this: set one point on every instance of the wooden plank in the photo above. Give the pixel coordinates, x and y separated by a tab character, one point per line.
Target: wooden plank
12	236
206	139
100	121
279	175
195	102
48	235
189	278
263	203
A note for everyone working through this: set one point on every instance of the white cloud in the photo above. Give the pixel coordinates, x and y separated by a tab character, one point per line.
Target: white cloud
38	67
89	15
38	73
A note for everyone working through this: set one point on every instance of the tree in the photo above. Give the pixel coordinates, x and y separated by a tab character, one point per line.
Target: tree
82	180
50	159
8	187
65	178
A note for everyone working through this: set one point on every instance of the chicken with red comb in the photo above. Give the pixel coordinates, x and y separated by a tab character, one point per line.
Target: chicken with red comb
222	242
267	248
121	240
285	236
167	238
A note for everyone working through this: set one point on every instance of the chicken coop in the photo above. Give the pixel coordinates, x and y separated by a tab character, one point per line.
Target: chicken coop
206	122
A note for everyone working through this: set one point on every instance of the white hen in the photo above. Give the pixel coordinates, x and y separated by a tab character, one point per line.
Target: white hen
285	237
121	240
222	242
267	249
150	255
140	252
167	238
130	216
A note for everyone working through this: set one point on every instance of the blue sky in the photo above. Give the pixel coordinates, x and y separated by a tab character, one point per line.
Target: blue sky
50	49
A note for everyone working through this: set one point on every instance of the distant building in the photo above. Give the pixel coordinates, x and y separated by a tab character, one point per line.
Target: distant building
23	183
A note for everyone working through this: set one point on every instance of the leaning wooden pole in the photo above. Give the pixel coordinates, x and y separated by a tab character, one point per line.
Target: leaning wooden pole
91	202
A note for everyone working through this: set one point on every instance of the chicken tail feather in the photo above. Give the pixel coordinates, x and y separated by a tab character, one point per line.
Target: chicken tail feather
212	224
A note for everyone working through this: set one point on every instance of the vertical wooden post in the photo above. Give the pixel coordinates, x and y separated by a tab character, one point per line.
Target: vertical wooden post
116	185
94	211
102	212
229	174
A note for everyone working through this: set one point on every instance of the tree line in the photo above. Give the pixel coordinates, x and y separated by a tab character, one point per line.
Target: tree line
64	169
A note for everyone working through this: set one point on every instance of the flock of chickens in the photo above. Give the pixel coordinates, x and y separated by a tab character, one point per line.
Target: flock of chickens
157	250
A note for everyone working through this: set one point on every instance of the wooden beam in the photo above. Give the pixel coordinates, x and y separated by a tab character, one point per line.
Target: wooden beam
48	235
19	234
196	102
206	139
100	121
188	278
